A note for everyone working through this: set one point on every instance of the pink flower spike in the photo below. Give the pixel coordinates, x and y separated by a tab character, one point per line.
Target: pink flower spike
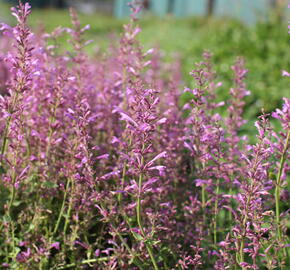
55	245
161	155
285	73
161	169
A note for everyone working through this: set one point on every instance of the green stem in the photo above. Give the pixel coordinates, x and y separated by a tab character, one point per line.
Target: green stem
7	126
138	207
10	204
203	196
51	121
62	207
13	237
127	247
122	239
122	182
241	251
68	212
278	186
123	176
139	219
215	214
103	259
203	199
67	217
278	190
150	251
230	212
11	201
3	149
242	258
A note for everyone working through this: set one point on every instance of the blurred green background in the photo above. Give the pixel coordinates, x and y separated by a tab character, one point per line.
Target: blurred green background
264	45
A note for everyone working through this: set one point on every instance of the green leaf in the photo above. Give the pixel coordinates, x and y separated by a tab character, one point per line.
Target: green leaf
6	218
2	170
138	236
49	184
272	175
32	178
16	203
31	227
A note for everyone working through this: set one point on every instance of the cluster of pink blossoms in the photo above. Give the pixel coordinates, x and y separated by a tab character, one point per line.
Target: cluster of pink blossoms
102	167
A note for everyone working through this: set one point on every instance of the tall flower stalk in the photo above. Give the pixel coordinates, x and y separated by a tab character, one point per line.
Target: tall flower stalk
141	125
21	66
283	148
107	164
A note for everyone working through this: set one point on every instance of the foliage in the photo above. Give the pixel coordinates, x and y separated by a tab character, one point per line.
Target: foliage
264	45
102	167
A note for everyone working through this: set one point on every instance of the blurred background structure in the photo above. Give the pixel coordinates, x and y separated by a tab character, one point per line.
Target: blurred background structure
42	3
246	10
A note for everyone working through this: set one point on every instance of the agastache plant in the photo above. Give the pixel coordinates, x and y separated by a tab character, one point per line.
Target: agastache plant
14	166
107	164
20	61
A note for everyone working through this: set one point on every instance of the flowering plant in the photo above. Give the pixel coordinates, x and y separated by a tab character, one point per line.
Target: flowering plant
102	167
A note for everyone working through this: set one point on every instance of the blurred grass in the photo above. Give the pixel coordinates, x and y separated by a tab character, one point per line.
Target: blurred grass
265	47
